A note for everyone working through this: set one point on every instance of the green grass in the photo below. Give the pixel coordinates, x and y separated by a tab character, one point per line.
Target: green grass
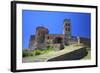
36	52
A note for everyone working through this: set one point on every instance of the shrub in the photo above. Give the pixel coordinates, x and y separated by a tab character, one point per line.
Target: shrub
49	47
42	51
27	53
37	52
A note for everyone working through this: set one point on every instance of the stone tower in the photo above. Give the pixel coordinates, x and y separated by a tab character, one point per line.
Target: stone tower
67	31
40	36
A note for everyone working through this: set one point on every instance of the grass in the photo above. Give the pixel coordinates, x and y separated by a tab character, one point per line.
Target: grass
27	53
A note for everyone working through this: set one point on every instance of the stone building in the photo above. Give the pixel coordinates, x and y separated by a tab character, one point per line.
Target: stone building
43	38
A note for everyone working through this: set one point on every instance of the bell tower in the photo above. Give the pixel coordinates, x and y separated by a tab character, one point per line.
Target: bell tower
67	31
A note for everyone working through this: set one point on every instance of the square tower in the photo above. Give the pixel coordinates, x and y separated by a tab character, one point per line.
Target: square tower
67	31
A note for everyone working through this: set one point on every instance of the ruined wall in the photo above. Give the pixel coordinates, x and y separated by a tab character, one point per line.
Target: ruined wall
32	42
51	37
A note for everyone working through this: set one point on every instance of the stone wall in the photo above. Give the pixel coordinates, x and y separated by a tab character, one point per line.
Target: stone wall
75	55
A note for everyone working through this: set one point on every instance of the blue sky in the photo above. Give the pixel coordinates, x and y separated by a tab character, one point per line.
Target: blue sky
80	23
